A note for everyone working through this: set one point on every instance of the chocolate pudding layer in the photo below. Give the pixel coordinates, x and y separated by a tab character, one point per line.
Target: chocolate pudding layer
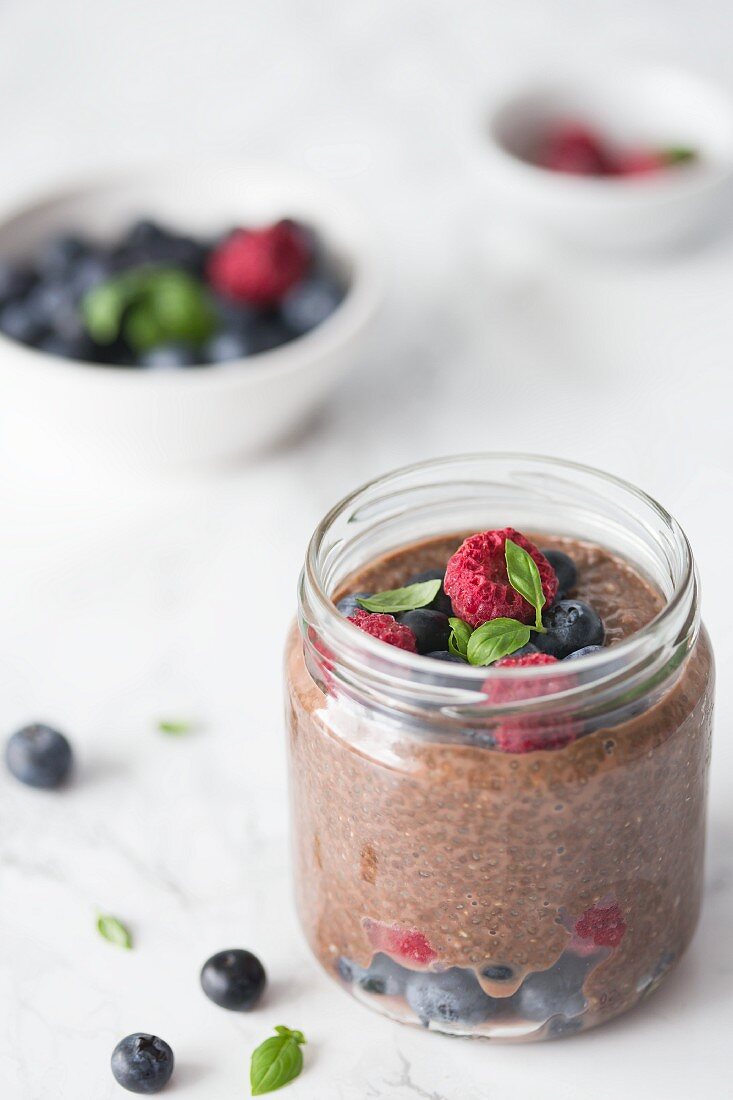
499	893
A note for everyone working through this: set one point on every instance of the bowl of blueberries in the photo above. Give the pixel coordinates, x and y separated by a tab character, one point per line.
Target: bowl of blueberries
179	316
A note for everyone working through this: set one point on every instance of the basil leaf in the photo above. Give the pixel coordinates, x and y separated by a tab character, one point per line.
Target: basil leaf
460	633
495	639
114	931
402	599
276	1061
524	577
174	727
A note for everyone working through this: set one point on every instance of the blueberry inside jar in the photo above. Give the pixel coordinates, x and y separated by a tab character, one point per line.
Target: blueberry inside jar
498	820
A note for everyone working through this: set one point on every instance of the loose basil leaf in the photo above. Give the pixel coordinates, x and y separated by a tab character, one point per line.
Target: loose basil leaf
495	639
114	931
174	727
276	1061
402	599
524	577
459	635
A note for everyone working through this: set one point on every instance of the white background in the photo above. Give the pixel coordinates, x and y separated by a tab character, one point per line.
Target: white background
128	601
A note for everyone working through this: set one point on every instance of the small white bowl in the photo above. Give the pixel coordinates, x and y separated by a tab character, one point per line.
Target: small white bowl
137	418
650	107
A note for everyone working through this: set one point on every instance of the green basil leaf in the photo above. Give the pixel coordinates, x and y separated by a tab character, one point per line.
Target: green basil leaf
276	1061
402	599
460	633
524	577
174	727
495	639
114	930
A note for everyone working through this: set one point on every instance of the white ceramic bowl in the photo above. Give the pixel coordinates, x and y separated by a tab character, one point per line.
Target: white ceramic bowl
132	418
650	107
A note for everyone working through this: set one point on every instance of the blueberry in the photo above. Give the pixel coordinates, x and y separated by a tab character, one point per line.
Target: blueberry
453	996
67	347
234	979
267	331
149	243
347	605
584	652
384	976
309	303
525	650
571	625
431	628
15	281
564	566
168	357
60	254
554	992
441	602
497	972
90	271
39	756
225	346
142	1063
444	655
20	322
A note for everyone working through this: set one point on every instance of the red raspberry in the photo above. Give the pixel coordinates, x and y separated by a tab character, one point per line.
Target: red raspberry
605	925
640	163
386	628
406	944
576	149
533	732
259	266
477	583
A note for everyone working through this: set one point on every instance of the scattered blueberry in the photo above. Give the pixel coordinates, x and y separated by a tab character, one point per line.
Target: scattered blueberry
431	628
444	655
554	992
15	281
384	976
225	346
168	357
565	570
309	303
142	1063
571	625
67	347
497	973
584	652
20	323
234	979
58	255
347	605
441	602
267	331
453	996
39	757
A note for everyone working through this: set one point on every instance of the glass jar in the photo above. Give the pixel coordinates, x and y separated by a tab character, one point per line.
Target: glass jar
514	895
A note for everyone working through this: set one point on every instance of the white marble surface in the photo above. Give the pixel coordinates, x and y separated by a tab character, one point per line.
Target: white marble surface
123	602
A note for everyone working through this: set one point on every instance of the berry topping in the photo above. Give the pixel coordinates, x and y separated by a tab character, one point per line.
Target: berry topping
260	266
477	582
576	149
142	1063
571	625
529	733
386	629
431	628
439	602
407	945
565	571
605	925
233	979
452	996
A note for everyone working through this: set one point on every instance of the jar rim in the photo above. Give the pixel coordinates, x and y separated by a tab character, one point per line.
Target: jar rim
677	622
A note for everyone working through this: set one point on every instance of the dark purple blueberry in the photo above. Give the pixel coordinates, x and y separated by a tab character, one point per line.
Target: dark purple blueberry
384	976
149	243
19	321
67	347
584	652
90	271
142	1063
441	602
554	992
570	625
39	757
347	605
565	570
431	628
453	996
58	256
169	357
309	303
267	331
15	281
525	650
497	972
225	346
444	655
234	979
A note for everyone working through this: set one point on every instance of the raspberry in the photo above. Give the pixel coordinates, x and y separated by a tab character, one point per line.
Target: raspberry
605	925
386	628
476	579
259	266
576	149
640	163
528	733
406	944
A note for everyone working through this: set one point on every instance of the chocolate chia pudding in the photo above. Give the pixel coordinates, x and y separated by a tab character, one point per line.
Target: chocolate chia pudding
514	886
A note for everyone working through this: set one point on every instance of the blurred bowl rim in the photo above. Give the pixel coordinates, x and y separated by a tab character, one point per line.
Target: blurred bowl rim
353	313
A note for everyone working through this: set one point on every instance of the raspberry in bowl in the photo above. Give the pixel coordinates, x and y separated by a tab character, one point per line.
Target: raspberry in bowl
178	317
499	707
